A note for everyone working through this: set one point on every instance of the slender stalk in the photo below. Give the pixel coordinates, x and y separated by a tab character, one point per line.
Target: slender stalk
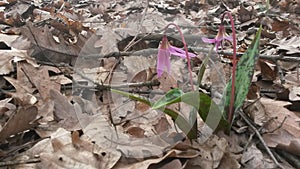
186	52
234	62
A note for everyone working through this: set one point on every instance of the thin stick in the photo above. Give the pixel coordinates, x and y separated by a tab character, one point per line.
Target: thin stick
242	114
131	43
11	163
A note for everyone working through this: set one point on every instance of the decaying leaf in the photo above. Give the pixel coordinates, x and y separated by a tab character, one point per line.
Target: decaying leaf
108	41
45	47
20	121
287	135
291	45
254	158
68	116
40	79
23	93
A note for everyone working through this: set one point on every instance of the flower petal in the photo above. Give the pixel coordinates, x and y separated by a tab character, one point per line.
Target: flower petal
229	38
163	59
206	40
180	52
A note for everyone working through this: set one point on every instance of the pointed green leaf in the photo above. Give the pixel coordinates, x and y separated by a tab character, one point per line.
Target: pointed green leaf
244	74
206	107
170	97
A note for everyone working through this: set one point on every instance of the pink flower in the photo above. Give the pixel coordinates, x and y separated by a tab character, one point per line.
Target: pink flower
222	35
164	53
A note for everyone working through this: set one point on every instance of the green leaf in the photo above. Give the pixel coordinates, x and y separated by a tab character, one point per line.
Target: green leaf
206	107
208	110
244	74
170	97
182	123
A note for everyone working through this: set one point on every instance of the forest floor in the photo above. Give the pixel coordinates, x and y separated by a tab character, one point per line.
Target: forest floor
59	60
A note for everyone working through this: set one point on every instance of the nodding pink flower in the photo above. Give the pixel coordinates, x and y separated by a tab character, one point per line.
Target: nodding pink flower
164	53
222	35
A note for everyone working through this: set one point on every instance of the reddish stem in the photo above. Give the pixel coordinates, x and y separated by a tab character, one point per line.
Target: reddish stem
234	62
186	52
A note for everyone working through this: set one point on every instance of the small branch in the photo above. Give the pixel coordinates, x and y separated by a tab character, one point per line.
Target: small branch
151	51
132	42
11	163
242	114
120	86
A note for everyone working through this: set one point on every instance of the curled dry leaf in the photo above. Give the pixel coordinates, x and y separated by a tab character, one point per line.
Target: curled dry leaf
6	107
6	58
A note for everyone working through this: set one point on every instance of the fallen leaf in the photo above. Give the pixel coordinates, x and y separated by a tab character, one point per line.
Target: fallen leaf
40	78
23	94
287	136
68	116
20	121
289	44
254	158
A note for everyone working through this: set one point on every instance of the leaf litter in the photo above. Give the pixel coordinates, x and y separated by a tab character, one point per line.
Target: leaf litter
45	117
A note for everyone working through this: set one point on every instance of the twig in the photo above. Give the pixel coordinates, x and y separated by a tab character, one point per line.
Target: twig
280	72
147	52
278	127
131	43
18	162
242	114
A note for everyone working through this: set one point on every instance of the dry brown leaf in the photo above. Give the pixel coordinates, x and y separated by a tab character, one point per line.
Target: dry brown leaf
291	45
20	121
23	93
40	78
6	107
55	50
268	70
68	151
256	111
135	148
254	158
6	65
8	39
108	41
288	135
69	117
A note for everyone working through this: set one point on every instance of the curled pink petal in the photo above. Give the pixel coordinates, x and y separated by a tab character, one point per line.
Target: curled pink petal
180	52
206	40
